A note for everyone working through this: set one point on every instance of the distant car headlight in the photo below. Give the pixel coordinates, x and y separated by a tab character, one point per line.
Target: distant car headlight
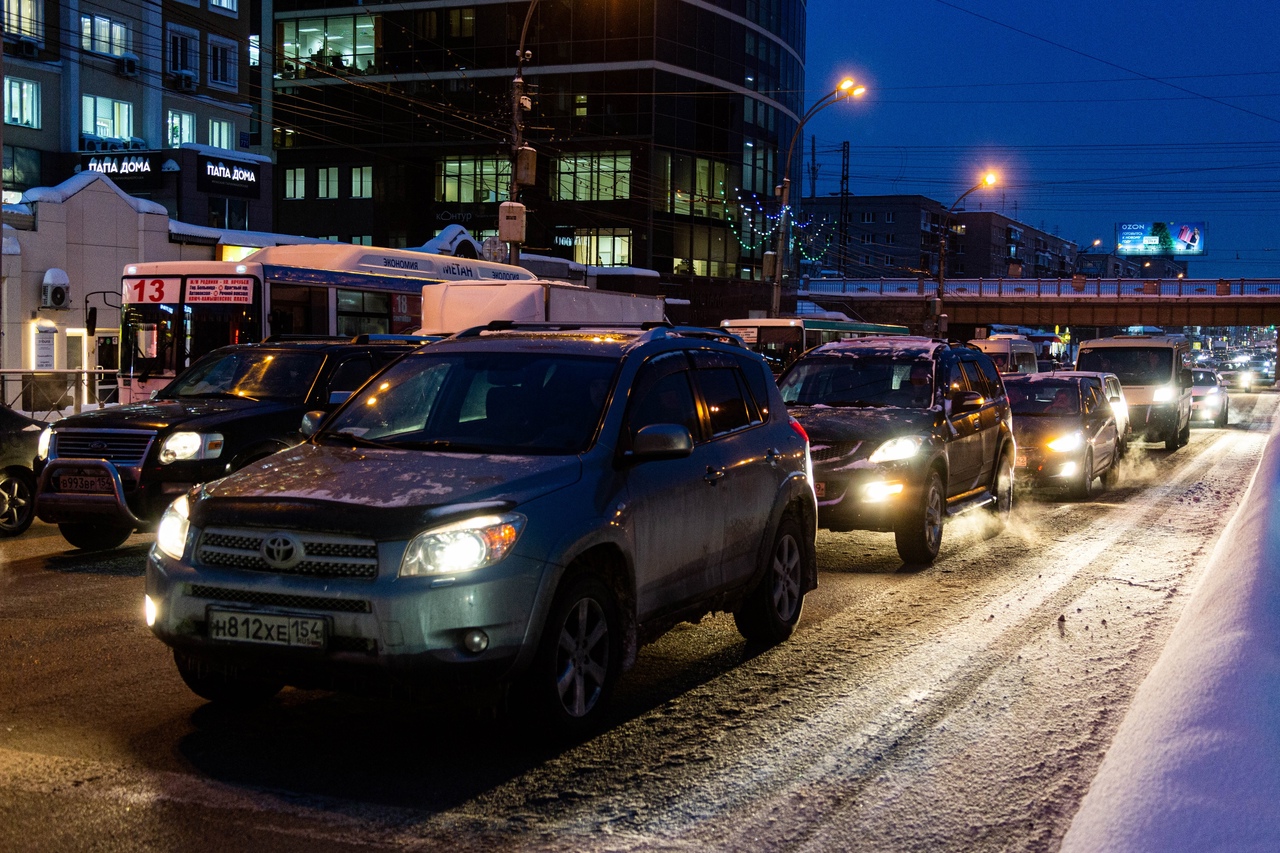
1066	443
463	546
190	445
171	535
1246	377
42	446
897	449
1163	394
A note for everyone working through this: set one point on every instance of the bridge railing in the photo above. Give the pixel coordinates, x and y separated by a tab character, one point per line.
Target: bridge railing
1042	288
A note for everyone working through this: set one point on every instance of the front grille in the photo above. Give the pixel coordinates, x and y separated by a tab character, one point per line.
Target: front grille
121	447
275	599
324	555
833	450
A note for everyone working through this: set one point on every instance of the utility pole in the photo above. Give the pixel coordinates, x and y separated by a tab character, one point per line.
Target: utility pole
844	206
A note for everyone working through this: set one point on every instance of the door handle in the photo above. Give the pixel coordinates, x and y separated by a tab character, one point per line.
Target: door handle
713	475
771	456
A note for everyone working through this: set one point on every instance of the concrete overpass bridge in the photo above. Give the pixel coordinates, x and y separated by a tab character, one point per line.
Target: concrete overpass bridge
1046	302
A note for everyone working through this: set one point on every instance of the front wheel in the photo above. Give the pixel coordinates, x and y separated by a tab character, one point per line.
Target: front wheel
228	687
1184	434
770	612
580	656
1221	419
919	536
95	536
17	502
1111	476
998	511
1084	487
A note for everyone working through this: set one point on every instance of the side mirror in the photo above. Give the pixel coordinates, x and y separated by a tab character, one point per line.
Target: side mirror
661	441
91	321
963	402
155	392
311	423
1184	378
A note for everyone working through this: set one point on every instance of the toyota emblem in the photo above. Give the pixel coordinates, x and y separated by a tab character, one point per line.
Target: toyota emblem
282	551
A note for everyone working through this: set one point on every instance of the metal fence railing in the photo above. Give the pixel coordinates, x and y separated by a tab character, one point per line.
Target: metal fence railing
49	394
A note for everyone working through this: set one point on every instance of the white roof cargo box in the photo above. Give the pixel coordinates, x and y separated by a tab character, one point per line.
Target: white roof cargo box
456	305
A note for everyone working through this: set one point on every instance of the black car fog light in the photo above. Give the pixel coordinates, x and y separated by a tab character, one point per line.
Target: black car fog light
475	641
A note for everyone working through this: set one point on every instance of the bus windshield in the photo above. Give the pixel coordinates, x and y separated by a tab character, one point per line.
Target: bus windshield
1133	365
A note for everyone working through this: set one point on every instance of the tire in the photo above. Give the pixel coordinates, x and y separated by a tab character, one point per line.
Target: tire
228	687
17	502
1084	488
1171	440
1002	487
1221	419
1111	476
579	658
920	534
770	612
95	536
1184	434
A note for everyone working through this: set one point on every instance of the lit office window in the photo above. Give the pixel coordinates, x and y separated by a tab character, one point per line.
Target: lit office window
603	247
100	34
181	128
592	176
362	182
22	102
466	180
105	117
328	184
221	133
295	183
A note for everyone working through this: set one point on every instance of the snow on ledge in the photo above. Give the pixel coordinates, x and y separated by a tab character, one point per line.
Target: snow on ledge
77	182
1196	763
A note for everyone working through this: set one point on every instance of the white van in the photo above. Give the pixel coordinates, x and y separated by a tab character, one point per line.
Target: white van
1011	353
1157	382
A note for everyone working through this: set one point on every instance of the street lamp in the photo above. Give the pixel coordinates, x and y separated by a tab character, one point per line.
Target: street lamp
511	219
846	89
988	180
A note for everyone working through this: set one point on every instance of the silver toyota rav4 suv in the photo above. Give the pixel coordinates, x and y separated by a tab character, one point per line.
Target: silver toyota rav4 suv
509	507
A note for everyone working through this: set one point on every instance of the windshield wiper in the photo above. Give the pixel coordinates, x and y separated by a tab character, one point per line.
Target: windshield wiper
856	404
221	395
348	438
451	446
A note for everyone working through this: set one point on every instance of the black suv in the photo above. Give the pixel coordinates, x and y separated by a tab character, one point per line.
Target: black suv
106	473
515	507
905	431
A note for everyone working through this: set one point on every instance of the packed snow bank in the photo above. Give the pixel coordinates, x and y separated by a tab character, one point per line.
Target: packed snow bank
1196	763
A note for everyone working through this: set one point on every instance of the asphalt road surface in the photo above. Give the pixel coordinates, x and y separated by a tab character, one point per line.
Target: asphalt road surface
960	707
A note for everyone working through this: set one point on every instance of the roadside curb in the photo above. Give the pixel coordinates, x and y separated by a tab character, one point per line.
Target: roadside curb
1194	765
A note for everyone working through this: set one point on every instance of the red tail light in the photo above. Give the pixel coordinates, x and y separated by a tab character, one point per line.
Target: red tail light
795	425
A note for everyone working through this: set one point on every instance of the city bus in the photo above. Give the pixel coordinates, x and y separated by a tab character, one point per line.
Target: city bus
176	311
782	340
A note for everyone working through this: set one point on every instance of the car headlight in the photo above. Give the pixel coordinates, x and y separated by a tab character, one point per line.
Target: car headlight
190	445
897	449
1246	377
1066	443
42	446
1163	394
463	546
171	535
1211	391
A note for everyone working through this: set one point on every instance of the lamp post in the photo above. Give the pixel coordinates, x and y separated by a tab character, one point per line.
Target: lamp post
846	89
511	222
988	180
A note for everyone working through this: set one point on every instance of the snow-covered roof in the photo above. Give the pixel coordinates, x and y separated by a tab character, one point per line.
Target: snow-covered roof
210	151
77	182
227	236
636	271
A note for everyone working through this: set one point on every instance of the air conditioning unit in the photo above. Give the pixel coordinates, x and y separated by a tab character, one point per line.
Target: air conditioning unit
27	48
55	291
127	66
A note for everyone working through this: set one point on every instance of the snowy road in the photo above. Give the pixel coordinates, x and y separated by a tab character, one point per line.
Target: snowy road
965	706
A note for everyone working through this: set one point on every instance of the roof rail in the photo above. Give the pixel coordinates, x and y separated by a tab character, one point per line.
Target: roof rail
395	339
551	326
275	339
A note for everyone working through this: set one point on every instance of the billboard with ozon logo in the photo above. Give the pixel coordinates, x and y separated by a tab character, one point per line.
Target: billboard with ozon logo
1178	239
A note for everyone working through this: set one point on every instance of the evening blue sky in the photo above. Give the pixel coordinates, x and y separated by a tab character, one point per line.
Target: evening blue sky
1092	112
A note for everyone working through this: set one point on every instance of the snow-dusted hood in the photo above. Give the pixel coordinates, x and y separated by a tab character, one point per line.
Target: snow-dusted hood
188	412
845	423
381	493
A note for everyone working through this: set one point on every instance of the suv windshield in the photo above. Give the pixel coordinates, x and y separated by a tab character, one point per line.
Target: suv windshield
1043	398
1204	377
1134	365
482	402
251	374
903	382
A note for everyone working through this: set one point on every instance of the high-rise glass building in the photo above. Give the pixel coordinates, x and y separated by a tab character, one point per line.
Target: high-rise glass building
656	124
